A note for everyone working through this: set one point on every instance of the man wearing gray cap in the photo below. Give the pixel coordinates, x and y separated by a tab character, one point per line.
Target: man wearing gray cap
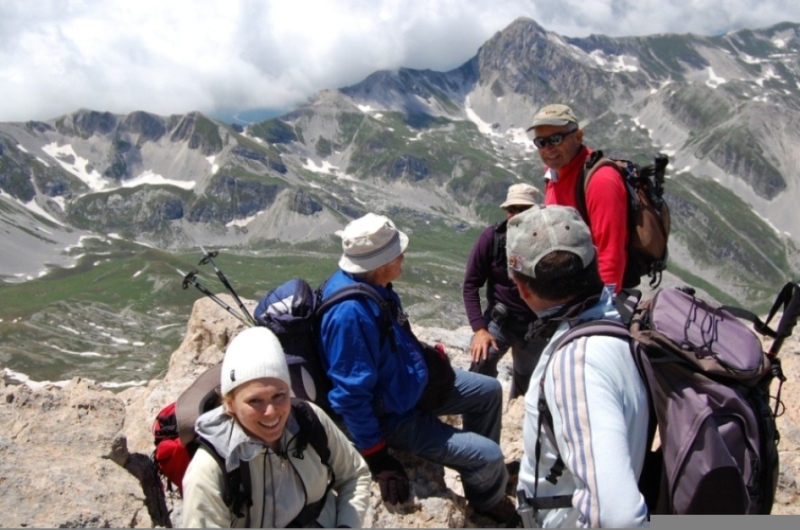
380	382
581	465
504	323
559	141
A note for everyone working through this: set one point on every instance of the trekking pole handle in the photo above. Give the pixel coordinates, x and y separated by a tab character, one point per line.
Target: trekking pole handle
191	278
208	257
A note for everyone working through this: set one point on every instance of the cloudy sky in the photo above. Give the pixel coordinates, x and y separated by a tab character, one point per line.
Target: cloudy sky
220	56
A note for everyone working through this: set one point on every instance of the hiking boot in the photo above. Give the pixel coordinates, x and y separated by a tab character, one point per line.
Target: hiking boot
504	513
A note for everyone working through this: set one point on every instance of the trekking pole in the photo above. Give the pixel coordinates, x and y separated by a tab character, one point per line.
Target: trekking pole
191	278
208	257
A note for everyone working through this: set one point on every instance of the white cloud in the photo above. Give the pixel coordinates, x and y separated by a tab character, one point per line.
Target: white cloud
214	56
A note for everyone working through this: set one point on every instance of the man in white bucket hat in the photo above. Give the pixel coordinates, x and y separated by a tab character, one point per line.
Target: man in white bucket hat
381	381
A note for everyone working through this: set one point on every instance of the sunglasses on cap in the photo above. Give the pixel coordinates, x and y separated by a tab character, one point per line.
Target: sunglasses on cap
554	139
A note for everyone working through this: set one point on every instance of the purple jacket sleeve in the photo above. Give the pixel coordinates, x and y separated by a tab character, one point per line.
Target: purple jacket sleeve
479	268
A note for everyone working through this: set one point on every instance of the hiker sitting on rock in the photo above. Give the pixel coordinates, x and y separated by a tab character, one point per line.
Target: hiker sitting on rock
379	376
258	427
580	466
504	323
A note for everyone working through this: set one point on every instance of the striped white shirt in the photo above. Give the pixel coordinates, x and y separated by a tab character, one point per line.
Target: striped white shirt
600	415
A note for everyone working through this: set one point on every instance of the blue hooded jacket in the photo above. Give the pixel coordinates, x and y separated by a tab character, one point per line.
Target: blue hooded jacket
375	386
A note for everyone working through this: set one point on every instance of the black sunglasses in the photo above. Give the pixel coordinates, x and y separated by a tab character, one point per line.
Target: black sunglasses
515	209
554	139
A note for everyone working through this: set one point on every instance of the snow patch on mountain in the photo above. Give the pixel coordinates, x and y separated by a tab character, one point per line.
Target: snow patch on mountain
714	80
614	63
150	178
38	210
214	167
66	156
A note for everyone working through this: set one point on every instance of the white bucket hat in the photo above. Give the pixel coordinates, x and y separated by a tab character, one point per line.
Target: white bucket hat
370	242
522	195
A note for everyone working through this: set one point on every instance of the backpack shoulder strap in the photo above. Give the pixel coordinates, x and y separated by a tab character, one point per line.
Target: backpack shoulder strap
311	429
595	161
351	291
601	326
354	290
238	488
626	301
497	240
311	433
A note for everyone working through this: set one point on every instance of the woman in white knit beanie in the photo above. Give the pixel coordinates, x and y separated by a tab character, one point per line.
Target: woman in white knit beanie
256	426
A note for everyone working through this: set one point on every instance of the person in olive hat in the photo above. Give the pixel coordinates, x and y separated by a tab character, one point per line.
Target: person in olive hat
558	138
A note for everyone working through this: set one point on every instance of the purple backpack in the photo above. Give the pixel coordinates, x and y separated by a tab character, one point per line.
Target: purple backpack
709	387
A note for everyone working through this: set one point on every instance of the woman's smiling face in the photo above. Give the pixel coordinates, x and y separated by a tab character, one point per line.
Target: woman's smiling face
262	407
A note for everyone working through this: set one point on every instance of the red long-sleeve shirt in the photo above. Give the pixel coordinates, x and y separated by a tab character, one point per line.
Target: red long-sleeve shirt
606	204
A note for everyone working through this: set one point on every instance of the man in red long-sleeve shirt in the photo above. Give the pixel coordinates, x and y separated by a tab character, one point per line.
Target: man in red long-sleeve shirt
559	140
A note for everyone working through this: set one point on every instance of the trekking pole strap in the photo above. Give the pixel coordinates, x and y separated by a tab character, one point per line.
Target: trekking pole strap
789	297
789	300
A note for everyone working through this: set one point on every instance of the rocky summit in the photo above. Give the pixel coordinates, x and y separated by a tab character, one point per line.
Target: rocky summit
78	456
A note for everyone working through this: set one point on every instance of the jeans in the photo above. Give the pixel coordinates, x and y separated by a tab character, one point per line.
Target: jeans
472	451
525	354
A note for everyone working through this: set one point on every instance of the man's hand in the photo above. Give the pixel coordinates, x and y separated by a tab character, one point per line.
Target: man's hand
391	476
481	342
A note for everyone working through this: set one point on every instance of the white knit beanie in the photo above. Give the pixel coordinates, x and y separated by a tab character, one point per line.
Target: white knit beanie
252	354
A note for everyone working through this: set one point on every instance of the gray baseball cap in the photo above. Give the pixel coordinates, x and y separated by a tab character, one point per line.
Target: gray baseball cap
555	114
535	233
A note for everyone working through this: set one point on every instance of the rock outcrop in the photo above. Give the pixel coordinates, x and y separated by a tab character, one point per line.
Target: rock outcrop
77	456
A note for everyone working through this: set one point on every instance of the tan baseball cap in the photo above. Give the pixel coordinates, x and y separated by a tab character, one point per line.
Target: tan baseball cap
555	114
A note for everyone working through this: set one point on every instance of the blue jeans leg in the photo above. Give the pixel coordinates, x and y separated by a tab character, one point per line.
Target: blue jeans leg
474	451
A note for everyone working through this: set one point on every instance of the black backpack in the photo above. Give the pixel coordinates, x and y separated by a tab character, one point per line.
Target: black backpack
177	442
293	311
708	380
647	217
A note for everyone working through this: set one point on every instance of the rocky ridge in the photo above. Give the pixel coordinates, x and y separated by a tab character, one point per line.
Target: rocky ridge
74	456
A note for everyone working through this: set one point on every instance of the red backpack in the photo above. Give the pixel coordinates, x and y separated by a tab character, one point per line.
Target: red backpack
173	428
